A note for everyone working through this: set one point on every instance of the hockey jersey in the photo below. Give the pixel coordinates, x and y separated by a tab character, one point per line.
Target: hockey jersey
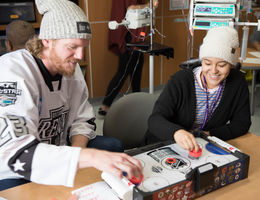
38	115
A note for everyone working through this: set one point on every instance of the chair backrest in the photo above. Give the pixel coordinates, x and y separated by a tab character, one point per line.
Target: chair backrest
127	118
195	62
190	64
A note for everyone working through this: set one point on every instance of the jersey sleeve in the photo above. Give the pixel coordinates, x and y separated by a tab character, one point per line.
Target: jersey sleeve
81	111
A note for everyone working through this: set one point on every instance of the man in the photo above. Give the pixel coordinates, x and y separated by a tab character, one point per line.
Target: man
18	32
44	106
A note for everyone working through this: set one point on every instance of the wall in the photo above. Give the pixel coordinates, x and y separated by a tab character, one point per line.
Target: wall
102	64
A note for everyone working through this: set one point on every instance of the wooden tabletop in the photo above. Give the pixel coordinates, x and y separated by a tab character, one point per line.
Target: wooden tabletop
248	188
46	192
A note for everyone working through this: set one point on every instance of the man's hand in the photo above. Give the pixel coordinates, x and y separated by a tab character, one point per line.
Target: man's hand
115	163
186	140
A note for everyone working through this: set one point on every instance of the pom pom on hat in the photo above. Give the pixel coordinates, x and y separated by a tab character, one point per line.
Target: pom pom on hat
221	42
62	19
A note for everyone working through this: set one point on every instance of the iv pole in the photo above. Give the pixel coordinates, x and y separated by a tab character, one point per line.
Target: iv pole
151	56
153	48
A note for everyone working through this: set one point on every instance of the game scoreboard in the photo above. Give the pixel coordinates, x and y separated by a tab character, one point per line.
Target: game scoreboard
207	23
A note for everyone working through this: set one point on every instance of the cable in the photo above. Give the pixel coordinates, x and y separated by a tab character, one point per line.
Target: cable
163	36
139	37
122	76
131	80
189	37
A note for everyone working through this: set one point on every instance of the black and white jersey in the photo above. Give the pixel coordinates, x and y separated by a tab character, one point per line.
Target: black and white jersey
38	115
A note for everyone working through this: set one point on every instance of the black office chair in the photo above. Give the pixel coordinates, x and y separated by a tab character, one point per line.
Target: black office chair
190	64
127	118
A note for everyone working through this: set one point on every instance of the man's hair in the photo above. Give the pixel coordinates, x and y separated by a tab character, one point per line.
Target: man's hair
18	32
34	46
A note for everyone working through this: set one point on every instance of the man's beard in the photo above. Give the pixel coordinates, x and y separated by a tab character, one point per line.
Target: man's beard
58	62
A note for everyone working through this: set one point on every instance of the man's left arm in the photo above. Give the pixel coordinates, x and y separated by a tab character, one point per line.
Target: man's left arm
79	141
82	129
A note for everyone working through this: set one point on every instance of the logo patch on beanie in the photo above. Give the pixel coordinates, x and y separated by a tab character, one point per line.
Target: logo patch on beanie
83	27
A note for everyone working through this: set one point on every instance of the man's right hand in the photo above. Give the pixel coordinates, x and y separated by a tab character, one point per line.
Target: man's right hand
115	163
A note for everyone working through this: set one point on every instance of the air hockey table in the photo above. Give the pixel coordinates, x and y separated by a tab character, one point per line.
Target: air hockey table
171	174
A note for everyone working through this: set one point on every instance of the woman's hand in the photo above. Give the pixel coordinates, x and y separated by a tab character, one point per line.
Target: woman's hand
186	140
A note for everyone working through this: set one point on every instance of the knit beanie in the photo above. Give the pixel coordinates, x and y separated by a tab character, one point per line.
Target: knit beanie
62	19
221	42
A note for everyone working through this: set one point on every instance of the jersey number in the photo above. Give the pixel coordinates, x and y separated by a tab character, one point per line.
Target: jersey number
19	125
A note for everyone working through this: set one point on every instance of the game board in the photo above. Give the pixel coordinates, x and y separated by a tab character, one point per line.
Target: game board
169	172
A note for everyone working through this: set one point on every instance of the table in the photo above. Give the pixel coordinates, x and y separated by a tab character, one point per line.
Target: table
46	192
254	67
245	189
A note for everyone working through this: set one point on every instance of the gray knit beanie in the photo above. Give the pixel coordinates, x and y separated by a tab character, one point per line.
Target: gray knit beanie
62	19
221	42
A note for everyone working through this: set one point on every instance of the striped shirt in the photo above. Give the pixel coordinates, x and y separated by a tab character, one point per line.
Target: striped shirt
201	99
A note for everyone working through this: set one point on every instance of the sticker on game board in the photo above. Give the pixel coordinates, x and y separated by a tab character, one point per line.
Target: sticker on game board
175	162
154	183
217	160
215	149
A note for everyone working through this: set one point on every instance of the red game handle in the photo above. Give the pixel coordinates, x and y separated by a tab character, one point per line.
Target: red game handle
170	160
195	154
137	181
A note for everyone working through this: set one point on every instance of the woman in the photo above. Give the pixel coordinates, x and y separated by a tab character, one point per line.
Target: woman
213	98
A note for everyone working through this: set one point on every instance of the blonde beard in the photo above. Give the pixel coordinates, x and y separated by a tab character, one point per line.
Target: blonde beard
59	64
67	73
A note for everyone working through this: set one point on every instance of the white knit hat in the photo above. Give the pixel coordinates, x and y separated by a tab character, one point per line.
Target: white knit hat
221	42
62	19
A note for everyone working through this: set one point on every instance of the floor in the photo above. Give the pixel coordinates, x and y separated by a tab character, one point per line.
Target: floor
255	127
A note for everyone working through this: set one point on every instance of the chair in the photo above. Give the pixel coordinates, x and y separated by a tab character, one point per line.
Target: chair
196	62
190	64
127	118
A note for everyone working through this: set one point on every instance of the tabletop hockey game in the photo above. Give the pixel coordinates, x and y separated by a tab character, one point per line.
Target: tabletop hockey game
172	173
